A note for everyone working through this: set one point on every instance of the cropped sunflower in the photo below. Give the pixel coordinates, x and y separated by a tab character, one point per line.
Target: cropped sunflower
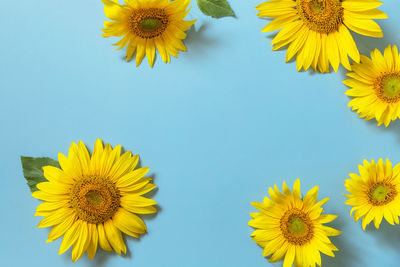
317	30
374	194
90	200
375	86
291	227
145	25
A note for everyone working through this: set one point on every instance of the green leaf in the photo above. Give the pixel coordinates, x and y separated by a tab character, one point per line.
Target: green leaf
215	8
33	170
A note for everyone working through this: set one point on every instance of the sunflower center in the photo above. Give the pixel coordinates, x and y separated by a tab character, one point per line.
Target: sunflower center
95	199
323	16
148	23
296	227
387	87
392	86
381	193
317	7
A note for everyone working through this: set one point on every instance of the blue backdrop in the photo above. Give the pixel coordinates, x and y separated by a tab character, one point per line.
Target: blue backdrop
217	126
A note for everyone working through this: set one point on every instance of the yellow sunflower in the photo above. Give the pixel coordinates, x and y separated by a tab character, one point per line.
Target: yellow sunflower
292	227
374	193
92	199
147	24
317	30
375	86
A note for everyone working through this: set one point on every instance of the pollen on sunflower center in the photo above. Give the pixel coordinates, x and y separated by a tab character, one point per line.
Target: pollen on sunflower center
296	227
323	16
387	87
381	193
95	199
317	7
148	23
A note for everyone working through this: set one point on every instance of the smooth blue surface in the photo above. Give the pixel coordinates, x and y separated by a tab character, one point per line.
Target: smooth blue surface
217	127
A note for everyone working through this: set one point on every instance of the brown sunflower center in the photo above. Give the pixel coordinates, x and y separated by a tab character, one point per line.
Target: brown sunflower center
381	193
387	87
95	199
323	16
296	227
148	22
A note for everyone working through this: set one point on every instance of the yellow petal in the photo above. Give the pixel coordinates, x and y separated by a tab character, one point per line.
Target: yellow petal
141	51
297	44
132	177
54	174
60	229
349	43
129	223
363	26
333	51
82	242
296	188
56	217
54	188
103	241
357	6
114	237
150	51
70	237
289	257
94	237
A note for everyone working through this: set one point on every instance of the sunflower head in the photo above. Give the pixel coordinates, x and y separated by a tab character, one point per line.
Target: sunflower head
147	25
92	199
375	86
317	31
291	227
95	199
321	16
387	86
374	193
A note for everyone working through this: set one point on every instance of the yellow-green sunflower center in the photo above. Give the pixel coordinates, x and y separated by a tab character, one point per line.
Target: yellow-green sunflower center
95	199
316	7
387	87
323	16
296	227
381	193
148	23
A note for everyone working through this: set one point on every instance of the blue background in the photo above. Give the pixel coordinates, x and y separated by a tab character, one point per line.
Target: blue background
217	126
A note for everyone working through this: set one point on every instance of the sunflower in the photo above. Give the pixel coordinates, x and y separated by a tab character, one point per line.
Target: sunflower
374	193
317	30
291	227
375	86
145	25
92	199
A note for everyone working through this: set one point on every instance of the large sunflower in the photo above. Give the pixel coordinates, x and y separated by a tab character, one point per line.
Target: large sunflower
374	194
92	199
291	227
375	86
316	30
147	24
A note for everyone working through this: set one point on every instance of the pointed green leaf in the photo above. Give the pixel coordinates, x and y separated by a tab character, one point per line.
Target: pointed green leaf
33	170
215	8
